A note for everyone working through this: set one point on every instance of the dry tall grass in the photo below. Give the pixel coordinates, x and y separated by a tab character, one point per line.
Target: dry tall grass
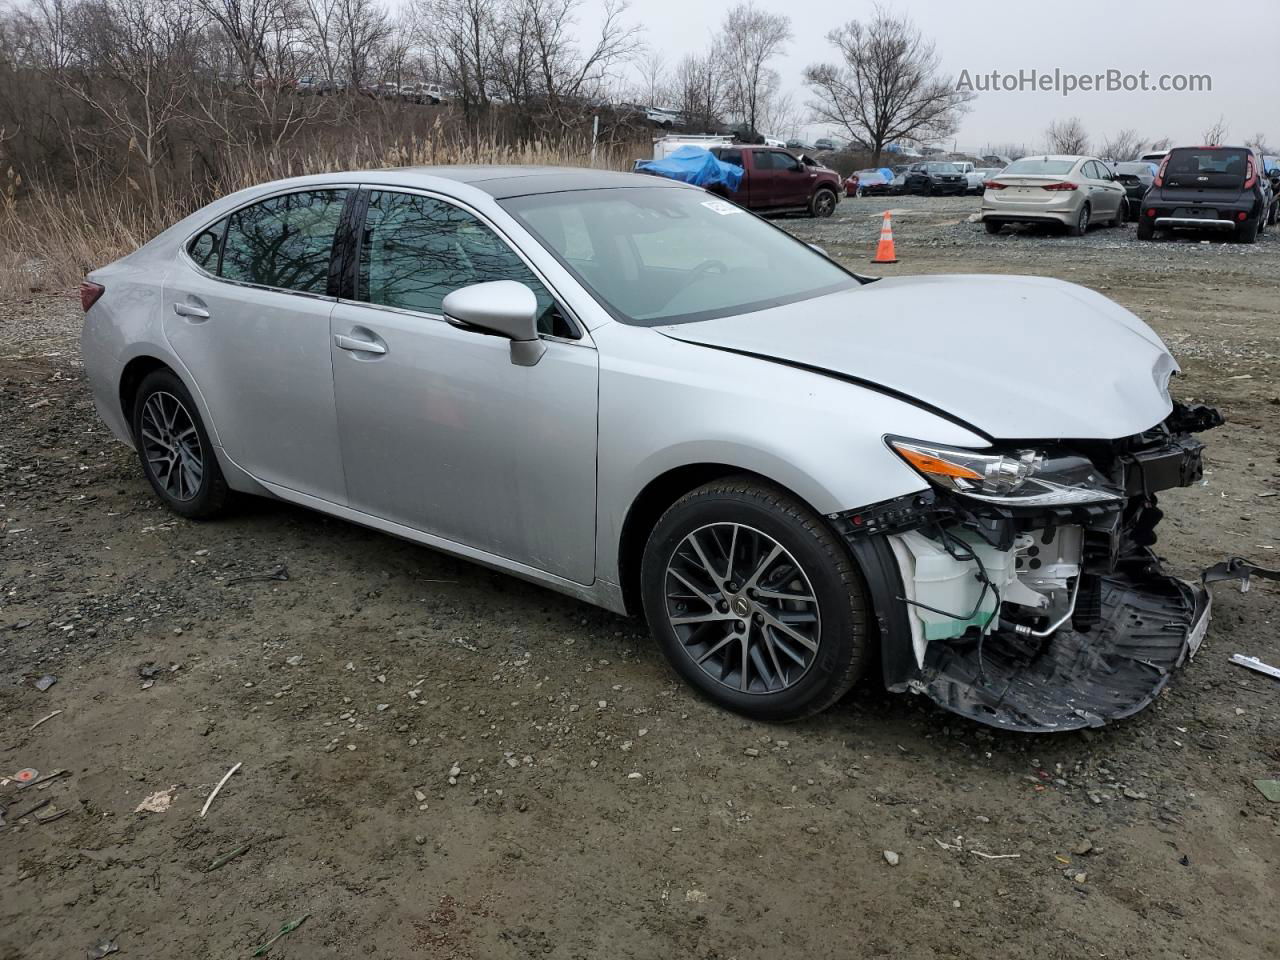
50	238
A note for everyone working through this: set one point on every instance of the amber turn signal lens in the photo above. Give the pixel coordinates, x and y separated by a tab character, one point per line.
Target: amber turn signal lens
934	467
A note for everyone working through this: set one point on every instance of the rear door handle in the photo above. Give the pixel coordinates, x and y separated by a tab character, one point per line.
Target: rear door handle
356	345
191	310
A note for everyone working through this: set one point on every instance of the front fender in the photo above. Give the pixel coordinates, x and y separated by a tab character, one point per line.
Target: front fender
666	404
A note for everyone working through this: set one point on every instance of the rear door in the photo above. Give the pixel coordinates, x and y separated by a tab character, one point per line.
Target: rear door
246	309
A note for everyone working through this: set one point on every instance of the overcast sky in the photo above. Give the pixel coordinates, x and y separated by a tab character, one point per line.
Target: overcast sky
1237	44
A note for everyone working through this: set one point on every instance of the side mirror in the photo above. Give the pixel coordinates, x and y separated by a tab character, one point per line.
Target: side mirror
503	307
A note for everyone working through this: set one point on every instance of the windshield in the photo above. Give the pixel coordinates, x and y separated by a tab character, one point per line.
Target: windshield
1034	165
660	255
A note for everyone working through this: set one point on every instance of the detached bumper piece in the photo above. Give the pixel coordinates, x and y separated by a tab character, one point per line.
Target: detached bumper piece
1040	618
1150	623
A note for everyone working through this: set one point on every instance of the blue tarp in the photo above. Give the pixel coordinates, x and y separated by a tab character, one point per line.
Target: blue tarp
874	177
695	165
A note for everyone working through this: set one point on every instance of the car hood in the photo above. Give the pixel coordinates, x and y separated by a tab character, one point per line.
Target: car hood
1014	357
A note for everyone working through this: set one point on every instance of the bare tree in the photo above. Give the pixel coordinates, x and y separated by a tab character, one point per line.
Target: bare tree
1067	136
654	86
362	27
1259	142
1215	133
1164	143
749	39
142	50
886	87
1122	145
699	90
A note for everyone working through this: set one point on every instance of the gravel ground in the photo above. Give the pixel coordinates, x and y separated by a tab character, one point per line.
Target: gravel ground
442	762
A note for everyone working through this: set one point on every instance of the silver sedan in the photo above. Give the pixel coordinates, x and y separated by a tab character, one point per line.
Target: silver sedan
1066	191
643	396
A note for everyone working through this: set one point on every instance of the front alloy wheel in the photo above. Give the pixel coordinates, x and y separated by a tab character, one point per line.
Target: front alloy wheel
742	608
755	601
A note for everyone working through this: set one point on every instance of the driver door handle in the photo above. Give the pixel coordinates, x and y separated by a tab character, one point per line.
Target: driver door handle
356	345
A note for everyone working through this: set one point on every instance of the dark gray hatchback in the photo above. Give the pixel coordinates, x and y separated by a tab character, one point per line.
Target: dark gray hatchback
1209	188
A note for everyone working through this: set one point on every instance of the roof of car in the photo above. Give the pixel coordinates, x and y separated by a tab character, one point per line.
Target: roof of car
497	181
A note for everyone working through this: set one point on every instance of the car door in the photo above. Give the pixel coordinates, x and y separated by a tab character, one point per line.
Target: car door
246	310
1105	194
792	180
440	431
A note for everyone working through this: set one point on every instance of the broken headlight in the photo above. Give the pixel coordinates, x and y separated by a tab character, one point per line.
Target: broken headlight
1024	478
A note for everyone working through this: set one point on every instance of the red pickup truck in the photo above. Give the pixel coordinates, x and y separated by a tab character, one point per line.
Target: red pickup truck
778	181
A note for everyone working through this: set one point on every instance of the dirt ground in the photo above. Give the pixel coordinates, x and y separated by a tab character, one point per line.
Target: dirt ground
442	762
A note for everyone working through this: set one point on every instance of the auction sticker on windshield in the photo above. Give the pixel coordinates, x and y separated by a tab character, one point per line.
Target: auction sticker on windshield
722	207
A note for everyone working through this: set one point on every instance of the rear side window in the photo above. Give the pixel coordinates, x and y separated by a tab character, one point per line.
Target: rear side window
284	242
416	250
205	246
1206	168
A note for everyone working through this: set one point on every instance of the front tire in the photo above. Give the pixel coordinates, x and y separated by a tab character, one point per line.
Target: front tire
823	203
754	601
175	451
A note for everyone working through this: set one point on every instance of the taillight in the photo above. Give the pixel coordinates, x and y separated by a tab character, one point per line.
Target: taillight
1059	186
992	185
1250	174
89	293
1164	165
1151	211
1242	216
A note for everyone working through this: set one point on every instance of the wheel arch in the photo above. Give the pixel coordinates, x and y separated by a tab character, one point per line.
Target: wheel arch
131	377
658	495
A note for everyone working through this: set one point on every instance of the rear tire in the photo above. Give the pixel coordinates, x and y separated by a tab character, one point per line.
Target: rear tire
1146	229
992	226
173	446
1081	225
1247	232
731	647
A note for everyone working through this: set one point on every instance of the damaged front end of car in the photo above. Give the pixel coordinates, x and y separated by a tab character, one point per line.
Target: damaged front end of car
1020	589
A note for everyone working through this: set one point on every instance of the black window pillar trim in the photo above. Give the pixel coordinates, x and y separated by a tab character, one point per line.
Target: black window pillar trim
344	264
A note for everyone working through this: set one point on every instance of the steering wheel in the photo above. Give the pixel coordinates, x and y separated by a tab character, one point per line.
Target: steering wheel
705	267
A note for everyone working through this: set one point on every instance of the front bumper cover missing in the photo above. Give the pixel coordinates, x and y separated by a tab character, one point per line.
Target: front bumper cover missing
1113	659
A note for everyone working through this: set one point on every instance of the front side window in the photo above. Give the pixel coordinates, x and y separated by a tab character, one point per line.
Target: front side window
284	242
416	250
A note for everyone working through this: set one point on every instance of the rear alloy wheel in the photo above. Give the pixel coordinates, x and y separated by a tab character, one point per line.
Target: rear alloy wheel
823	203
754	601
176	454
1081	224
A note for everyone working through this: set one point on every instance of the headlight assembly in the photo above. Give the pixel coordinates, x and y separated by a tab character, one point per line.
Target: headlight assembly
1025	478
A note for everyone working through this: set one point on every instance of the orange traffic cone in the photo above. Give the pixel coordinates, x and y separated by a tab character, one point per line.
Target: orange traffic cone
885	252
